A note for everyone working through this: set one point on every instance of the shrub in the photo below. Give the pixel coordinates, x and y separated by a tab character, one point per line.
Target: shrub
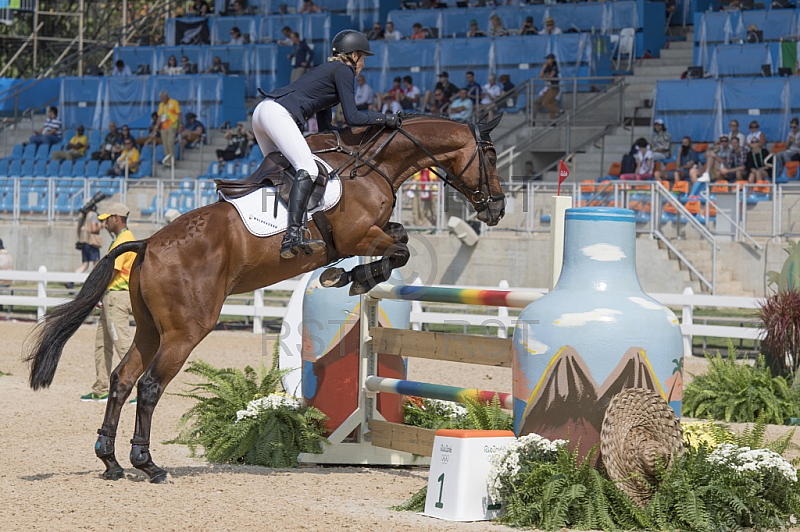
780	314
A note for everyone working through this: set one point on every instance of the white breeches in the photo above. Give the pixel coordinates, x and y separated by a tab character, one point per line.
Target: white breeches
275	129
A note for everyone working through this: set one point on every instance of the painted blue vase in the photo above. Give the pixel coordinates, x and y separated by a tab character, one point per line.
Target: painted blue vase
595	334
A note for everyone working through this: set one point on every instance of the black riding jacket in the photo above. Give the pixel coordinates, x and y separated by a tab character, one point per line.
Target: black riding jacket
319	89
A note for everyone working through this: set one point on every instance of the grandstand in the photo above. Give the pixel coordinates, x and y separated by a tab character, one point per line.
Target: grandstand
621	65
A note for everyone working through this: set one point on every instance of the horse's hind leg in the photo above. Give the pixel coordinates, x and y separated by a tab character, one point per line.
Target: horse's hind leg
121	381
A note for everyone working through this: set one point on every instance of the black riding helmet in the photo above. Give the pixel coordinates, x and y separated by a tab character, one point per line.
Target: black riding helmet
347	41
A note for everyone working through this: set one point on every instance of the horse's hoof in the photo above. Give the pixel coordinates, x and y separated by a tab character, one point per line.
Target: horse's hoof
356	289
159	478
114	474
334	278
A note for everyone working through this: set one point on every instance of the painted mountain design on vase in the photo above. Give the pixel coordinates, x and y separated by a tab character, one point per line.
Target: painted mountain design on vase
568	404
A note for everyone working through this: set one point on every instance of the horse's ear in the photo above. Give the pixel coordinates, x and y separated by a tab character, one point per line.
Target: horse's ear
488	127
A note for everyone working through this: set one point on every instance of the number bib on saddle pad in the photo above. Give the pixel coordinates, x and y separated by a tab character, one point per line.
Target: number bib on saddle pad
257	209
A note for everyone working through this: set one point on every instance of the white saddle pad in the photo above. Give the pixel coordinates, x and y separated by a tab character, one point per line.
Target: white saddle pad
257	209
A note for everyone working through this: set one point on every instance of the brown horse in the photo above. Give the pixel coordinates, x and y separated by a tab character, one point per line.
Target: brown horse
183	273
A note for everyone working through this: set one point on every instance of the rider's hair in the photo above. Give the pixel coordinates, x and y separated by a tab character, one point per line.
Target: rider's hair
343	58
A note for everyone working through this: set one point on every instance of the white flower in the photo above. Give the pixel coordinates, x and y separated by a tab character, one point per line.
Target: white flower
270	402
506	461
744	459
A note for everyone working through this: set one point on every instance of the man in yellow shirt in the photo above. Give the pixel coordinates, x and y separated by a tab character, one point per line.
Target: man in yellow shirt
169	120
75	149
113	329
128	158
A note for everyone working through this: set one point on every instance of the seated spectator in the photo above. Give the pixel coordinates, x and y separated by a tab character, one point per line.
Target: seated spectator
752	35
74	149
187	66
792	152
418	33
309	7
527	27
439	104
236	37
172	68
128	160
390	105
734	165
192	132
410	97
508	96
756	167
392	34
491	95
365	97
217	66
154	135
473	89
734	132
644	161
528	174
200	8
113	137
661	141
239	9
461	107
733	5
51	131
687	162
474	30
550	27
237	144
125	134
376	33
121	69
396	92
755	132
496	29
716	159
448	89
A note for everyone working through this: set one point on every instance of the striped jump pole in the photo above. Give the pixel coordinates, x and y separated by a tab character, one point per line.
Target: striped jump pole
455	295
437	391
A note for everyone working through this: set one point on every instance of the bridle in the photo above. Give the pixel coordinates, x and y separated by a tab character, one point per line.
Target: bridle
481	199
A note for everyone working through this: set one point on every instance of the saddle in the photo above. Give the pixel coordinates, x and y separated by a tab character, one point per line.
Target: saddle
274	171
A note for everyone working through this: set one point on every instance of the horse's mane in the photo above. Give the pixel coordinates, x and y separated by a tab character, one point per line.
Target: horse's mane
405	116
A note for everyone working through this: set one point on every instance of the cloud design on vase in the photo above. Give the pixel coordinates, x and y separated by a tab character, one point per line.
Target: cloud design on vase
652	305
536	347
604	252
577	319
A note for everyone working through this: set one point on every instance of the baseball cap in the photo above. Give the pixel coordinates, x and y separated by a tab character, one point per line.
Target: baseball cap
191	115
473	21
723	137
549	20
444	74
550	56
115	209
658	121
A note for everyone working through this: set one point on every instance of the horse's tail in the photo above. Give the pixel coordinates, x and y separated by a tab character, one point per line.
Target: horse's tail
60	324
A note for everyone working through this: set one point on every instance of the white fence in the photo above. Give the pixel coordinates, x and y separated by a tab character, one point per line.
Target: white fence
421	314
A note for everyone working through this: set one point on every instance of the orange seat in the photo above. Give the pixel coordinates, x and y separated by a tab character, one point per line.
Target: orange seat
681	186
669	208
615	169
762	189
712	211
701	147
666	183
791	169
670	166
721	185
778	147
693	206
587	185
657	166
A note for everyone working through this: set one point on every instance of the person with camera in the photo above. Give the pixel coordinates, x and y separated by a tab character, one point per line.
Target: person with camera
89	239
113	328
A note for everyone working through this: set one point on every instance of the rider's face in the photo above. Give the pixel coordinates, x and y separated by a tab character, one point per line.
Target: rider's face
359	58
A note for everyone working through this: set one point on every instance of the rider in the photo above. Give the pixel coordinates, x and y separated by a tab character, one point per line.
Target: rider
278	120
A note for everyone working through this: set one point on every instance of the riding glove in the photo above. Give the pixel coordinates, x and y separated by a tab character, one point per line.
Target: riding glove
392	120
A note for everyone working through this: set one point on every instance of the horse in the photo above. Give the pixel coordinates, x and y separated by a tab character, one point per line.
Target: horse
183	273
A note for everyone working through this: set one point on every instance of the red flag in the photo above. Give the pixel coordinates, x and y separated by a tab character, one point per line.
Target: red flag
563	174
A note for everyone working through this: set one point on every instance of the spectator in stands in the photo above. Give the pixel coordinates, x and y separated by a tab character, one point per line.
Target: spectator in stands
396	92
365	96
752	35
172	68
439	104
192	131
121	69
390	105
391	34
508	97
239	9
200	8
527	27
550	27
74	149
733	5
187	66
236	37
644	161
734	165
6	264
547	97
153	136
113	137
755	132
461	107
89	240
474	30
125	134
169	119
792	152
734	132
688	160
287	34
473	89
217	66
756	166
528	174
411	95
496	28
376	33
128	160
448	90
491	95
301	57
237	144
661	141
309	7
417	33
716	159
51	131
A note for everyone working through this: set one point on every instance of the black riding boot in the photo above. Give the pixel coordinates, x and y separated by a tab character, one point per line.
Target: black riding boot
293	241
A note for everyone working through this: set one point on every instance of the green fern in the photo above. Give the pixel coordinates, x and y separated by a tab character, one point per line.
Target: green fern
273	438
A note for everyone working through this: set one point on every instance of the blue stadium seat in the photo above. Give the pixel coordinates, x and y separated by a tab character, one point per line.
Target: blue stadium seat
147	211
91	168
27	168
229	171
244	169
146	154
15	168
40	167
67	136
52	168
66	169
16	151
4	164
95	138
103	168
212	172
29	152
79	168
43	153
187	202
